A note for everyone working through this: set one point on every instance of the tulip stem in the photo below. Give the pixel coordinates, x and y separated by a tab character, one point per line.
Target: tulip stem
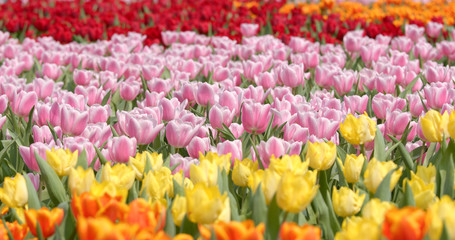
285	216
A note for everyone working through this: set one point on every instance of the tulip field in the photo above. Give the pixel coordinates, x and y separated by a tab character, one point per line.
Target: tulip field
222	119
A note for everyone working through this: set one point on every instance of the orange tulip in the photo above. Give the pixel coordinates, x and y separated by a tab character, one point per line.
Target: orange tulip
87	205
405	223
17	231
291	231
46	218
234	230
183	236
146	215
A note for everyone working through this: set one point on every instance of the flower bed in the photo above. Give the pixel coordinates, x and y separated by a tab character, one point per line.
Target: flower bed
272	136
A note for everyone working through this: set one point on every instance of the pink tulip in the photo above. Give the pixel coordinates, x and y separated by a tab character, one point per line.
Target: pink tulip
205	95
219	115
82	77
426	51
187	37
169	37
183	164
121	149
372	53
414	32
72	121
129	90
51	71
415	105
236	129
2	121
396	122
255	117
3	103
35	179
437	94
198	145
381	103
23	103
43	134
143	129
355	104
344	81
151	99
438	73
232	147
97	133
43	87
92	94
265	80
179	133
28	154
231	100
299	45
276	147
98	113
249	30
151	71
434	29
169	108
220	74
403	44
80	144
292	75
252	69
294	132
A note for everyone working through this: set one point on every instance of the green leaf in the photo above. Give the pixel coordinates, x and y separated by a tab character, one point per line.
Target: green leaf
430	153
342	179
106	98
54	134
445	169
33	200
178	189
408	198
272	225
234	207
408	88
169	228
383	192
259	206
54	186
445	233
100	156
39	231
82	160
379	146
189	227
10	236
28	129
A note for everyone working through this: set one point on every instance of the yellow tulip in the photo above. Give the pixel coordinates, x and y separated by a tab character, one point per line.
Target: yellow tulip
225	215
100	189
222	161
346	202
204	204
353	167
295	192
242	171
255	179
376	172
206	172
138	162
434	125
441	213
178	209
182	181
120	174
423	192
427	174
358	131
80	180
158	183
375	210
321	156
359	228
451	125
288	163
62	161
270	182
14	191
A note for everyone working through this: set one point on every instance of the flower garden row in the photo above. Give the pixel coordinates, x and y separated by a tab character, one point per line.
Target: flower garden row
205	136
326	21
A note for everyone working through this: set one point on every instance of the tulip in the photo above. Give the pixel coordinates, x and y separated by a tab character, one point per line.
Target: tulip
355	104
28	154
121	149
96	204
47	219
265	80
23	102
120	174
321	156
62	161
396	122
82	77
73	121
205	94
451	125
157	184
424	193
204	204
358	228
98	113
292	75
220	115
358	131
232	147
405	223
414	32
296	191
129	90
51	71
143	129
290	230
180	133
231	100
249	30
183	164
288	163
35	179
277	147
346	202
375	210
234	230
242	171
14	191
353	167
376	172
80	180
103	228
139	161
434	126
440	214
434	29
18	231
178	209
205	173
43	87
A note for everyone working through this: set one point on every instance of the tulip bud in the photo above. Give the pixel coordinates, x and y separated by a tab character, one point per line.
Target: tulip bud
434	125
178	209
120	174
376	172
139	161
14	191
157	184
296	191
205	173
242	171
62	161
346	202
405	223
358	228
204	204
47	219
375	210
352	167
321	156
80	180
358	131
441	213
424	193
